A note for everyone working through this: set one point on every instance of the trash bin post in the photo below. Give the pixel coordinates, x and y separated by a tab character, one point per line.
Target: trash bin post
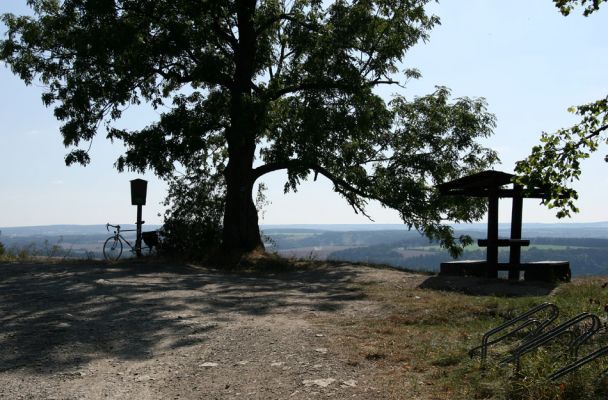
139	189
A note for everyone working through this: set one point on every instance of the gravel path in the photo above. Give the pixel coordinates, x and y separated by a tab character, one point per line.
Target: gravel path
153	332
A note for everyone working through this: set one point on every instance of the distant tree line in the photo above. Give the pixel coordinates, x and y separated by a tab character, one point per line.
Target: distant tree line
355	238
587	256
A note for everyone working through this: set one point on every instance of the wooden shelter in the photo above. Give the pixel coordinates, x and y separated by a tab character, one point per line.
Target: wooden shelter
493	186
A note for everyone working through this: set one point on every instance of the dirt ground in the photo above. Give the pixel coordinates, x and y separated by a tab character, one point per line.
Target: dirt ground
151	332
137	331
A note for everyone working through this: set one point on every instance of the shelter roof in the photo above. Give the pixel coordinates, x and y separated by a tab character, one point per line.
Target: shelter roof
479	181
488	184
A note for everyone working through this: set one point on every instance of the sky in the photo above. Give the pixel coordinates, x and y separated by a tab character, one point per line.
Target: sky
528	61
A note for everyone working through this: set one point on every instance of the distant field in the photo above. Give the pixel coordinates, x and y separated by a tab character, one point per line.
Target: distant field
554	247
400	248
436	248
474	247
297	235
409	253
313	253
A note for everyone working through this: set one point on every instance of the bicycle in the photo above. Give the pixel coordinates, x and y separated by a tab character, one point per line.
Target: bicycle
112	248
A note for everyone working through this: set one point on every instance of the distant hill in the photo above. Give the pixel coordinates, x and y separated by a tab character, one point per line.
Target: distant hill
63	230
591	229
584	245
595	229
66	241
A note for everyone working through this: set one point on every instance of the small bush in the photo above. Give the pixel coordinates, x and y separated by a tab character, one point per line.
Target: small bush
193	222
188	239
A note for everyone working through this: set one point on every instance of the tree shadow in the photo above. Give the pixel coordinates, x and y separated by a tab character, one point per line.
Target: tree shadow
475	286
55	318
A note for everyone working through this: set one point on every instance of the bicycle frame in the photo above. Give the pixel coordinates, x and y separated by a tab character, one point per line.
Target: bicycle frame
118	237
123	239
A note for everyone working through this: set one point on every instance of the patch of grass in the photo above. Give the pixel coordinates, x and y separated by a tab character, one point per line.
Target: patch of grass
33	252
419	344
377	266
257	262
447	360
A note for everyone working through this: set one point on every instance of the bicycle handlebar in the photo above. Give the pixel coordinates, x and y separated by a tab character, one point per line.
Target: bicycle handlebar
108	225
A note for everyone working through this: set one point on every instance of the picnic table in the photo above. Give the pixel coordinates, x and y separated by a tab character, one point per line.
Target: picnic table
493	186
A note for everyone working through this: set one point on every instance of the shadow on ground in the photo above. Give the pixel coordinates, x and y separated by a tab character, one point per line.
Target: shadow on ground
487	287
57	317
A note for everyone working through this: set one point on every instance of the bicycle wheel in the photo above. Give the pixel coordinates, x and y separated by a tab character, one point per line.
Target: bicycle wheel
112	248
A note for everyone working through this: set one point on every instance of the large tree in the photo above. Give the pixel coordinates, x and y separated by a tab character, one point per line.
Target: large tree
556	163
249	87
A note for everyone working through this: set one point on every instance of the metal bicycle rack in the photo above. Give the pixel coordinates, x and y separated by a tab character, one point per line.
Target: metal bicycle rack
538	337
563	329
579	363
518	324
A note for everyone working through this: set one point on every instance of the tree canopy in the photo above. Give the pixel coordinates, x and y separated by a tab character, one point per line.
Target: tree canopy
589	6
556	163
248	87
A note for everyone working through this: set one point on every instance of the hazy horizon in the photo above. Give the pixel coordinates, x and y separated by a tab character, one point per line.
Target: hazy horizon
372	226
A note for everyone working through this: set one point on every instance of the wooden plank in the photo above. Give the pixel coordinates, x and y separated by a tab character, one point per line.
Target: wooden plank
492	248
505	242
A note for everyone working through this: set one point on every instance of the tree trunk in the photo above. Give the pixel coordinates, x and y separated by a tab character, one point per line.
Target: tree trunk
241	230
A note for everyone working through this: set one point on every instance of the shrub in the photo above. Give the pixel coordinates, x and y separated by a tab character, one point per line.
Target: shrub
193	221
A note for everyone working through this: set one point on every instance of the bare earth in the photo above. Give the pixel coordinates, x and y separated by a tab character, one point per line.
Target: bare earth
146	332
138	331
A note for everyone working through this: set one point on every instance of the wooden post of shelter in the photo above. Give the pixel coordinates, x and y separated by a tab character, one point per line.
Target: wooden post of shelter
492	249
516	223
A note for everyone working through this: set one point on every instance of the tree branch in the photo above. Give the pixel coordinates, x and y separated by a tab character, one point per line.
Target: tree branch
323	86
595	133
217	28
582	141
337	181
363	71
284	16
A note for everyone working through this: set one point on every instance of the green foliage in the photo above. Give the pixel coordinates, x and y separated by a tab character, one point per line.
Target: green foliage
2	249
290	85
590	6
555	163
193	222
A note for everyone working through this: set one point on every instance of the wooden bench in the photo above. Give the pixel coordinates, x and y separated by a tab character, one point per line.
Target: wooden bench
547	271
463	268
544	271
505	242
